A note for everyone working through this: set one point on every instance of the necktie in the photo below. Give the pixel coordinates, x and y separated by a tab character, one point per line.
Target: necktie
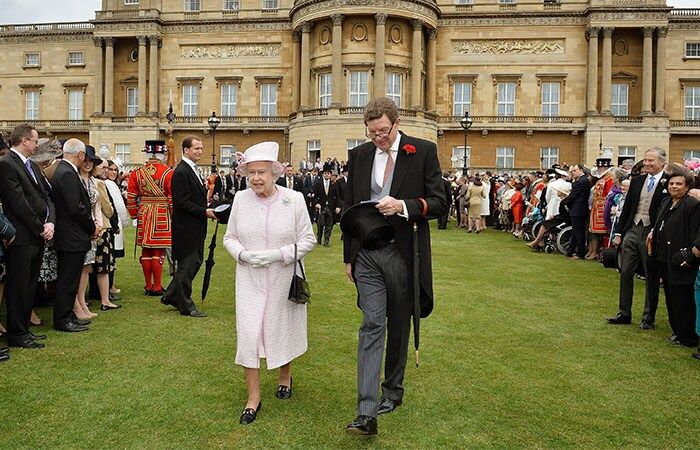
325	186
289	183
650	185
28	166
389	169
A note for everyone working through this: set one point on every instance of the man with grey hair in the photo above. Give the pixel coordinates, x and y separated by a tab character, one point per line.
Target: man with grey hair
74	230
632	230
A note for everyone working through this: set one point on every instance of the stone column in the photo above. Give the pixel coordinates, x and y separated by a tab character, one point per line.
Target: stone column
337	60
153	76
380	56
305	67
143	41
605	94
416	64
99	81
109	76
296	41
592	103
647	65
661	69
432	70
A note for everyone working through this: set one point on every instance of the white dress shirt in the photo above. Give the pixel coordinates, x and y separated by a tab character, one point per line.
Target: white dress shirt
380	159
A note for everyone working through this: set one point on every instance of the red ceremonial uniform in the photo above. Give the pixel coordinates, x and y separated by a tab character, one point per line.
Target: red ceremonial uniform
600	193
150	199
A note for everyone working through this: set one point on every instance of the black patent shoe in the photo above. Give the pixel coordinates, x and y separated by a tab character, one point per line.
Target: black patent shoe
387	405
363	425
619	319
249	415
284	392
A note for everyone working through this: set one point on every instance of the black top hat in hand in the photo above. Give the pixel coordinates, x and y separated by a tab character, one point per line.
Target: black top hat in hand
364	222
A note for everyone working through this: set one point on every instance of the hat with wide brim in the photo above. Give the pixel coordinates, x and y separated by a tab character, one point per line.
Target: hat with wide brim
560	186
92	155
264	151
365	223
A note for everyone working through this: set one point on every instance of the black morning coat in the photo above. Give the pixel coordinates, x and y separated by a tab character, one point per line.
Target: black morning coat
681	225
416	176
189	221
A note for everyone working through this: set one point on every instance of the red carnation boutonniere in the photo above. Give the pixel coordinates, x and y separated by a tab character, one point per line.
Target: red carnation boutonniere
409	149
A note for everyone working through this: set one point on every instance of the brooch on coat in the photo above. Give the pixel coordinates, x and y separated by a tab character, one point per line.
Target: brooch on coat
408	148
287	201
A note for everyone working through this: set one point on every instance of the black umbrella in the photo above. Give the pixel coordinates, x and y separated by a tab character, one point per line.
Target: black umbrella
416	291
222	212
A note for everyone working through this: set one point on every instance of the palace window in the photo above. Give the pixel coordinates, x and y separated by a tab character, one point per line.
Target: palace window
132	100
358	89
269	4
462	98
192	5
626	152
229	99
32	59
393	87
688	154
313	150
190	100
231	5
548	156
692	49
325	90
618	102
352	143
692	103
32	105
76	58
458	157
131	2
227	153
550	98
268	99
506	98
505	157
75	104
123	152
464	2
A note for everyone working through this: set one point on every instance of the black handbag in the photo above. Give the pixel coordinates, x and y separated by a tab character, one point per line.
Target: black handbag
299	291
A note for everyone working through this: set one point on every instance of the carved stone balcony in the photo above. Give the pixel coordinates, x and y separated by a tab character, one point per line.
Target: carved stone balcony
53	126
312	10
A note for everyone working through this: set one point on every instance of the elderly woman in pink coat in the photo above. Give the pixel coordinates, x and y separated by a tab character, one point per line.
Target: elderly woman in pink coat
266	222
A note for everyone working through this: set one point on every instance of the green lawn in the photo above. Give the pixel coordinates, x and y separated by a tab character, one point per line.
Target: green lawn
516	354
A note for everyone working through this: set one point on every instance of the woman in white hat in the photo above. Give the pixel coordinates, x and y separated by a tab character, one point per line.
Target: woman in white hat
267	221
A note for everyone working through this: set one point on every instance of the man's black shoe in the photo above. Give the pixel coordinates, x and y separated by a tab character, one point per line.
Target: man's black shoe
4	356
81	322
387	405
619	319
197	313
696	355
167	302
673	338
27	343
4	350
37	337
72	327
644	325
363	425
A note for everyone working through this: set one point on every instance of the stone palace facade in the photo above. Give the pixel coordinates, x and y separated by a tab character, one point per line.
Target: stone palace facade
543	80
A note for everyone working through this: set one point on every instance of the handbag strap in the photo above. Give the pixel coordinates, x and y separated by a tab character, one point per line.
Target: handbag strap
298	262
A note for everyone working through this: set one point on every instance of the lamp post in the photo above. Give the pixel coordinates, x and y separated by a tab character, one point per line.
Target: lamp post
213	123
465	122
170	117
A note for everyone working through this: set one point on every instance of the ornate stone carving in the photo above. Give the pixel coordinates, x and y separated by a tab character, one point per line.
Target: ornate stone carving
648	32
380	18
608	32
627	16
225	27
97	41
230	50
662	32
296	37
508	46
621	47
155	40
306	27
414	8
513	20
395	34
143	40
109	41
337	19
417	25
432	34
51	38
592	32
359	32
325	36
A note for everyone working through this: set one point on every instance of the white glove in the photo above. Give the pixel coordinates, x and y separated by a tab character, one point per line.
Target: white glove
265	257
244	256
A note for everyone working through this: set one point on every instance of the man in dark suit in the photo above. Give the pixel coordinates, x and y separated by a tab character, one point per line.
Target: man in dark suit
341	185
74	230
577	202
289	180
230	183
638	216
325	203
189	221
447	186
27	206
402	173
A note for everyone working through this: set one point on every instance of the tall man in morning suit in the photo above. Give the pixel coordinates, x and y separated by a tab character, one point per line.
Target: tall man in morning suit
289	180
190	215
577	201
325	203
402	173
28	207
74	230
637	219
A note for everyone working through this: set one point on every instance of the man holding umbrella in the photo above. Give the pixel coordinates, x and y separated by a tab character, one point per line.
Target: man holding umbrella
190	216
402	175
